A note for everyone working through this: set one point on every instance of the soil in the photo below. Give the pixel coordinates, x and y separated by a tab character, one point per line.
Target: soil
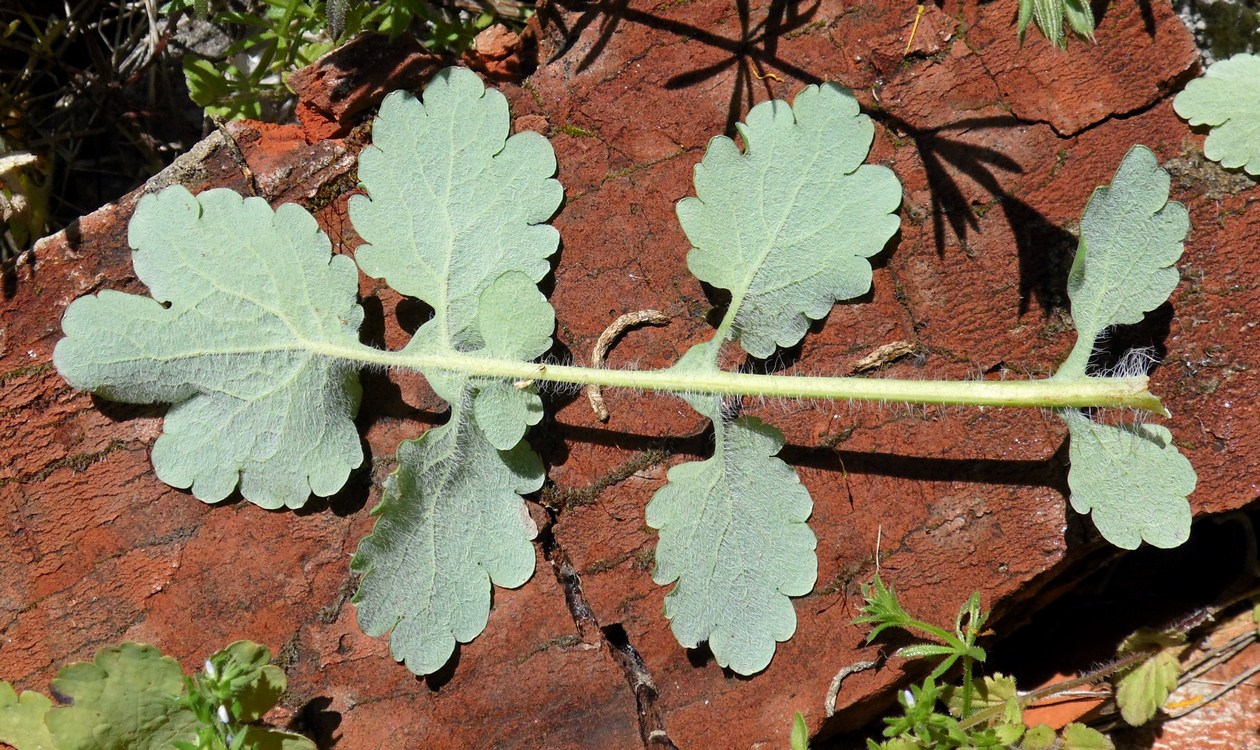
998	146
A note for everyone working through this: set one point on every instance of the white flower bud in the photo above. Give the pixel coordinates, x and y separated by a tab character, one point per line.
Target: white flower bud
223	715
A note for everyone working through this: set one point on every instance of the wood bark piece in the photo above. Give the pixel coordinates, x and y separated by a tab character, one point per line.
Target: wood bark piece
998	147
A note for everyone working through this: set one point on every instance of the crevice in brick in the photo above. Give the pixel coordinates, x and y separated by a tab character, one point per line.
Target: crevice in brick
651	723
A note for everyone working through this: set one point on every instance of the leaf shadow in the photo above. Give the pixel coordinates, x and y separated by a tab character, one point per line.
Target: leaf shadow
754	52
1044	249
316	721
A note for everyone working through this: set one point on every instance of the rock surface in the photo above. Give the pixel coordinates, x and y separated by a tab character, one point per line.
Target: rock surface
998	147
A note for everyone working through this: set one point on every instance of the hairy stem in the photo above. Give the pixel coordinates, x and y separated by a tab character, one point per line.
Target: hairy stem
1128	393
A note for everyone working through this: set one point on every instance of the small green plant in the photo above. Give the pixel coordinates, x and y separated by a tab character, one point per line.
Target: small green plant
987	712
248	79
251	334
1051	15
131	696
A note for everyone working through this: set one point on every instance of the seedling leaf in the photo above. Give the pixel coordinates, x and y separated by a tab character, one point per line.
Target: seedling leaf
234	346
125	699
787	225
1131	235
449	524
799	739
733	535
264	738
1142	689
1080	737
1227	98
22	719
1132	479
256	683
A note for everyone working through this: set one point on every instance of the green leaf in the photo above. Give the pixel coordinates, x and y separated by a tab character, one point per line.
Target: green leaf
255	683
450	523
1080	737
22	719
787	225
265	738
453	202
1132	479
1131	237
245	302
1227	98
1050	15
1040	737
800	733
455	216
1143	688
733	536
995	690
125	699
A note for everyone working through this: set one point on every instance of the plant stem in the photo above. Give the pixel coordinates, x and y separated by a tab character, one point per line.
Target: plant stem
1130	393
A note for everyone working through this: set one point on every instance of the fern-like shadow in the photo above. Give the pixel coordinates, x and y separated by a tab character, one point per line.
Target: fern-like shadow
1045	250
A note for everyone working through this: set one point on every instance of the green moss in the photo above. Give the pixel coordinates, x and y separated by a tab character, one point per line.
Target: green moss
573	131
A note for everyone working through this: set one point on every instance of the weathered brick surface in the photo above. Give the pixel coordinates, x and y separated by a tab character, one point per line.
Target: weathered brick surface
998	147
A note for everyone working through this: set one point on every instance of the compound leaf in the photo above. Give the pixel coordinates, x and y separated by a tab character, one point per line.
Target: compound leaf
455	216
733	536
1132	479
1131	237
787	225
22	719
450	523
1228	99
125	699
245	302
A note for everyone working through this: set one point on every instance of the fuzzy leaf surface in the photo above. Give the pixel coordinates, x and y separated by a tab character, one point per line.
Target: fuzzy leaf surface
1131	237
1142	689
788	224
1227	98
1080	737
125	699
449	524
455	216
1132	479
733	536
453	203
22	719
243	299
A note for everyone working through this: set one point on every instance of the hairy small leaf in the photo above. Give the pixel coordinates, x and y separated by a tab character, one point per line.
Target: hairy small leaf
1227	98
1142	689
455	216
1132	479
733	535
1049	16
994	690
1080	737
125	699
1040	737
450	523
799	739
235	346
788	224
22	719
1131	237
